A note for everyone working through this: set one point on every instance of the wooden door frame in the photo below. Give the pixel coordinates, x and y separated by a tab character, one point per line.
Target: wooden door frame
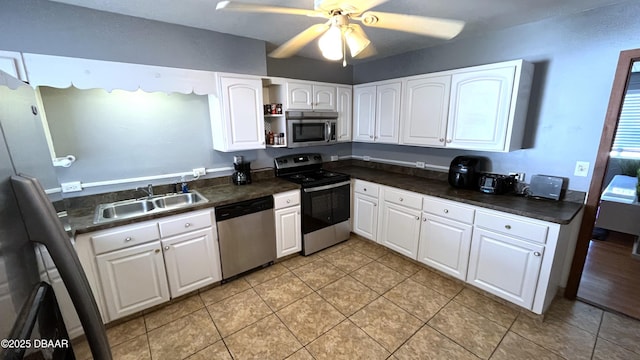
618	91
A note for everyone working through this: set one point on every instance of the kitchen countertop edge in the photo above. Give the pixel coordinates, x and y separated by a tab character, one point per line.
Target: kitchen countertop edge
560	212
81	219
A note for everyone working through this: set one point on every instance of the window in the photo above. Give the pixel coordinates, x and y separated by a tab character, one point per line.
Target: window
626	143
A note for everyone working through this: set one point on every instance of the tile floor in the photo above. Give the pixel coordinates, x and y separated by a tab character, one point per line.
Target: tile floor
358	300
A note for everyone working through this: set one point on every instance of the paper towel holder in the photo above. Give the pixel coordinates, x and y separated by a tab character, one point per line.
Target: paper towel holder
64	161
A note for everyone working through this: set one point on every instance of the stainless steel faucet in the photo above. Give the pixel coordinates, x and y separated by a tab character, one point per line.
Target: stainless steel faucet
148	190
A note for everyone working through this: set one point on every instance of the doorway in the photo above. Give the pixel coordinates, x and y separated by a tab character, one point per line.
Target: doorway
604	270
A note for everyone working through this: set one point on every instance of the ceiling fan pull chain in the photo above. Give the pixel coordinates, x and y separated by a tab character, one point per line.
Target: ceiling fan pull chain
344	50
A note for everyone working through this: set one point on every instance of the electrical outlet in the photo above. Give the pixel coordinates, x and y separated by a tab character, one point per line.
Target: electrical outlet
519	176
420	164
582	168
199	171
335	158
71	186
366	158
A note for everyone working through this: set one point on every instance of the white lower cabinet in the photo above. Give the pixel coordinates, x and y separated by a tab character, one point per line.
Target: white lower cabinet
133	279
400	222
365	209
133	267
50	274
288	223
191	261
505	266
519	259
444	245
445	236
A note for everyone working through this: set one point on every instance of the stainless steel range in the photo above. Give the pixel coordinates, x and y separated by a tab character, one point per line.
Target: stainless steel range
325	200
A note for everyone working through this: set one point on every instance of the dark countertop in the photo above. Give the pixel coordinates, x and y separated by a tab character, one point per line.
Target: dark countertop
81	217
561	212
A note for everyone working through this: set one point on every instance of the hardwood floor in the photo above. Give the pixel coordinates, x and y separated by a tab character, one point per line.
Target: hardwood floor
611	275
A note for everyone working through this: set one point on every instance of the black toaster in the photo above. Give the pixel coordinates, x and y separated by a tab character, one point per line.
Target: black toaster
496	183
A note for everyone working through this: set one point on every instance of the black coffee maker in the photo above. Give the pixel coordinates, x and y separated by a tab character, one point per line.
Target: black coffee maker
242	175
464	172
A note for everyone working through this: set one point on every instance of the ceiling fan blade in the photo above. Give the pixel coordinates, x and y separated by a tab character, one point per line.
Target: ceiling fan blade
299	41
247	7
429	26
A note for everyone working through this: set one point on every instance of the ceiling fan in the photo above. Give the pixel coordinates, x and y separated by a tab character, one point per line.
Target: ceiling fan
339	33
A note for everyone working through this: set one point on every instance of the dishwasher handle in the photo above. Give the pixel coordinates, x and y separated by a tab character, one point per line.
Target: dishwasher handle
242	208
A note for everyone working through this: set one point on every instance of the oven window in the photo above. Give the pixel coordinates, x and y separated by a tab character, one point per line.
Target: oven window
305	132
324	208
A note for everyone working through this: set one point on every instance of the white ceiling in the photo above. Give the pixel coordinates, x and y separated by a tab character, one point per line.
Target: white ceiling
480	16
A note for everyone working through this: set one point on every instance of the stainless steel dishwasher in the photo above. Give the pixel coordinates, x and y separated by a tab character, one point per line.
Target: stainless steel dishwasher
247	235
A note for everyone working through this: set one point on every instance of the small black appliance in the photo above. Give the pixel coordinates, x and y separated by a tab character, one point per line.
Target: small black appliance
496	183
464	172
242	175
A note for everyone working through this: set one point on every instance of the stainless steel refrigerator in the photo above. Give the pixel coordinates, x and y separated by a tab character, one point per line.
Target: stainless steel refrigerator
27	217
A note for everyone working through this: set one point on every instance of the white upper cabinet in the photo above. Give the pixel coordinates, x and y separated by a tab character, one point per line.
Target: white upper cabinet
488	107
426	106
376	112
324	97
11	63
299	96
344	106
364	113
237	114
309	96
388	113
477	108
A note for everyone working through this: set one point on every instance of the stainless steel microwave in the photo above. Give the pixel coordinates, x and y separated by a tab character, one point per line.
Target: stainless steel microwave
311	128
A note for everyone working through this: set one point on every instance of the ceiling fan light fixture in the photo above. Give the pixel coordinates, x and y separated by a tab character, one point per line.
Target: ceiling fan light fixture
330	43
356	41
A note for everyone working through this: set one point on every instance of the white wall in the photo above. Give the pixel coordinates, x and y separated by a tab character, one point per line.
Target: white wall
124	135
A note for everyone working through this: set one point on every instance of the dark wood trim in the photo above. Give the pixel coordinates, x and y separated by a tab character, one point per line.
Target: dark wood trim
618	91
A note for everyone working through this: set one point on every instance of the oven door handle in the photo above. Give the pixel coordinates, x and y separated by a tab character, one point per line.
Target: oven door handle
326	187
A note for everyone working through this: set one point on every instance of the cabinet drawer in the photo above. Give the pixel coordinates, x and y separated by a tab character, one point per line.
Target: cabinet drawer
511	225
286	199
403	198
448	209
125	236
365	187
185	223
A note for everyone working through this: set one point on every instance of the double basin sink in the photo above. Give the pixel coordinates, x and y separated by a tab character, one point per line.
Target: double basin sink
150	205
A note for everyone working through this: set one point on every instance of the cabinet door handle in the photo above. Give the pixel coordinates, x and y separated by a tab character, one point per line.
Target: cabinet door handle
537	253
508	227
424	219
441	139
446	211
417	217
371	136
128	238
449	140
187	225
374	205
167	247
288	201
365	189
157	251
401	199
